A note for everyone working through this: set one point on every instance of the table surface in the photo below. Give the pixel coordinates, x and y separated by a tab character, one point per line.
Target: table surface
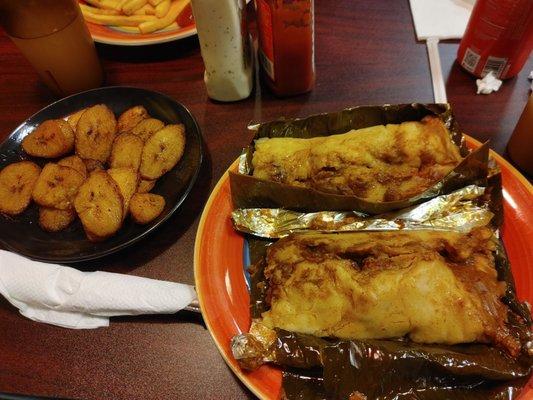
366	53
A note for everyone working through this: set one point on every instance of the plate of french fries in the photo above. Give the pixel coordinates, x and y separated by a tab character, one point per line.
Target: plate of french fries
95	172
138	22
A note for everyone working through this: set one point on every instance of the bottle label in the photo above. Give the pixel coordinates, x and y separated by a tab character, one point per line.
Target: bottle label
266	40
470	60
494	64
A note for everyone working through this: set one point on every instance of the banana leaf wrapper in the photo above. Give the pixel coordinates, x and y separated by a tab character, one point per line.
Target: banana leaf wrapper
318	368
250	192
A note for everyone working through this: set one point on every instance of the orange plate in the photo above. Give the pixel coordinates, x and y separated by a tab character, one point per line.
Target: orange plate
113	35
224	299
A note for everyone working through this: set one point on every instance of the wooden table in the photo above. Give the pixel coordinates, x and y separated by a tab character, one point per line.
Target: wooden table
366	53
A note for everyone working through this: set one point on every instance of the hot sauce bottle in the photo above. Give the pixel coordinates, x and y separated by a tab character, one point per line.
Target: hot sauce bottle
286	45
498	38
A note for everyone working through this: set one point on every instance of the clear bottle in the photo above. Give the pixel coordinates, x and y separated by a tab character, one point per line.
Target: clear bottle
225	47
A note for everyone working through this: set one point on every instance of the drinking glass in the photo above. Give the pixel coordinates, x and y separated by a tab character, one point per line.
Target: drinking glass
53	36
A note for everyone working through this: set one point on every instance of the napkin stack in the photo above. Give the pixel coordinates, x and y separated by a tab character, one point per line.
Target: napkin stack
66	297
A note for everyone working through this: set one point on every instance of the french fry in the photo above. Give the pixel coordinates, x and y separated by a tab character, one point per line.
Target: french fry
133	5
95	10
154	2
125	20
162	8
129	29
159	23
147	9
105	4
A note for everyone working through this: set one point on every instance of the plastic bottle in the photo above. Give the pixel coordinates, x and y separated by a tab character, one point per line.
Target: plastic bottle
225	47
286	45
498	38
520	146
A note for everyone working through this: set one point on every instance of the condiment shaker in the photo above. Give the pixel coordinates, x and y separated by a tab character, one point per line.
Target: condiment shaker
225	47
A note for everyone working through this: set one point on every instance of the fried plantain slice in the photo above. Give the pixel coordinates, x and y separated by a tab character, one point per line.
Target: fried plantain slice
17	181
73	118
127	180
74	162
52	138
54	220
95	133
99	205
145	185
126	152
145	207
92	165
147	127
131	117
162	151
56	186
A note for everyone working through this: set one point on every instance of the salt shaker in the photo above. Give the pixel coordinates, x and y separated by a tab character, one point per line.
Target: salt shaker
225	47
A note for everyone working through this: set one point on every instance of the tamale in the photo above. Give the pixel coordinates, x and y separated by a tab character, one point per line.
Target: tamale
326	368
374	174
428	286
380	163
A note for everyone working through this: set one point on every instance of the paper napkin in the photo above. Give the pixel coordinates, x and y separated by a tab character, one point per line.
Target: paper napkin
441	19
437	20
66	297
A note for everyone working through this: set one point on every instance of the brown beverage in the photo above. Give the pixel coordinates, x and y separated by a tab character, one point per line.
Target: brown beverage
520	147
53	36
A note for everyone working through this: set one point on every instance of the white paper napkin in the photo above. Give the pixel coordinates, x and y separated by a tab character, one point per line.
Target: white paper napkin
437	20
66	297
441	19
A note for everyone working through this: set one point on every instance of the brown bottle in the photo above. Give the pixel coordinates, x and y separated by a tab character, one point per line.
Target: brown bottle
520	146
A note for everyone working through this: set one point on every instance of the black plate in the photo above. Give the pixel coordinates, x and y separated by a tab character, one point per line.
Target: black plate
22	233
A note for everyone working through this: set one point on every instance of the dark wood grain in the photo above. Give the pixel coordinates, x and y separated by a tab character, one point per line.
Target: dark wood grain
366	53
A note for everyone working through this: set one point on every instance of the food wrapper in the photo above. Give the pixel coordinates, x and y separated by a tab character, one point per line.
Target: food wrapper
251	192
460	210
320	368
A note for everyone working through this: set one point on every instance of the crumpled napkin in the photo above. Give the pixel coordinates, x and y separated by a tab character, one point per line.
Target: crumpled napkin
66	297
488	84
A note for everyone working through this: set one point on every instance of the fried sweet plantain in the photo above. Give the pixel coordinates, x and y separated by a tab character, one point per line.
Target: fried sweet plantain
73	118
16	185
99	205
145	207
56	186
127	180
54	220
145	185
52	138
95	133
130	118
162	151
92	165
147	127
126	152
74	162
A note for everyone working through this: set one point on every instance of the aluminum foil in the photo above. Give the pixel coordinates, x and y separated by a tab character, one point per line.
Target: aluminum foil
461	210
